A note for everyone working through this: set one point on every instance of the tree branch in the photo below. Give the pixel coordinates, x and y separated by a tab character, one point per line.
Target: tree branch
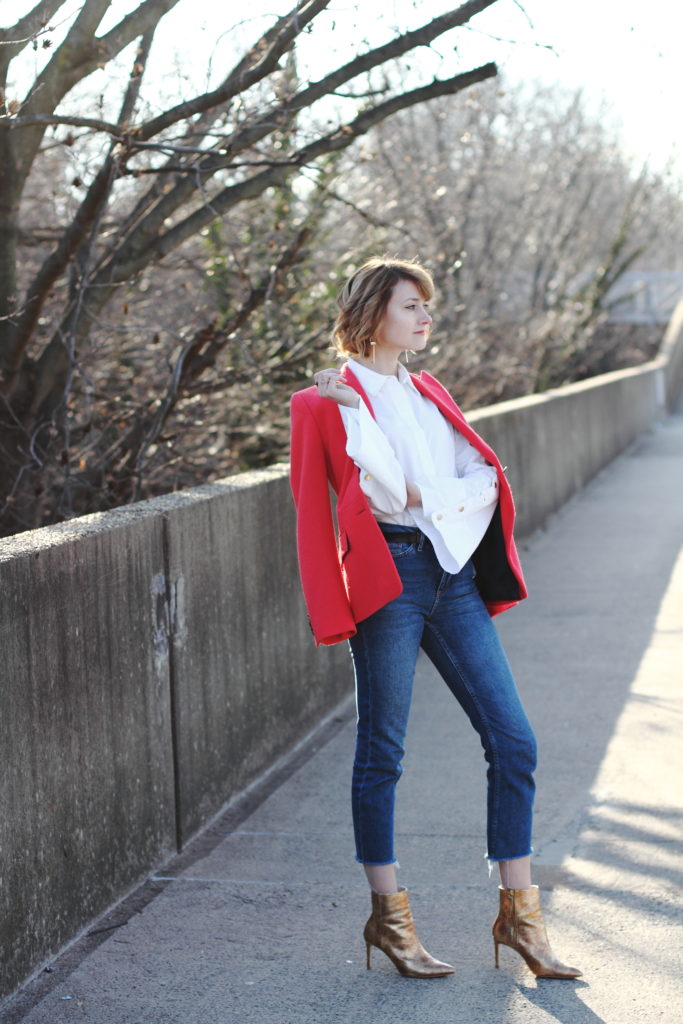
261	60
89	213
113	273
202	351
239	81
79	55
271	46
130	259
14	39
52	119
159	206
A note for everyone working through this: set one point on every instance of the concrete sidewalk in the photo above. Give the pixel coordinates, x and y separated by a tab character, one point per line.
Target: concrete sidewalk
263	922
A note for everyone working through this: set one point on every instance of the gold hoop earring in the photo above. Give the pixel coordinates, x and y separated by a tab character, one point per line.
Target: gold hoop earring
373	346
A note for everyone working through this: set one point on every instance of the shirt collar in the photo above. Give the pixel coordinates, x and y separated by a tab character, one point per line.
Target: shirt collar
373	382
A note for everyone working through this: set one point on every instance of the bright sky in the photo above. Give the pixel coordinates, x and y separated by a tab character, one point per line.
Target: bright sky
624	51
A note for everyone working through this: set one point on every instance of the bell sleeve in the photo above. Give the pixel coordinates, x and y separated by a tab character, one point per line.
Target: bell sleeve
460	507
382	480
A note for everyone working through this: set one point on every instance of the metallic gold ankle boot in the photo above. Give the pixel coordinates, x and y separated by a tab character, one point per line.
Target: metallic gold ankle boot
391	929
520	925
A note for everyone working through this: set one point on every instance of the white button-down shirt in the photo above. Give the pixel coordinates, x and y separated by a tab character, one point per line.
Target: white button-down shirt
410	439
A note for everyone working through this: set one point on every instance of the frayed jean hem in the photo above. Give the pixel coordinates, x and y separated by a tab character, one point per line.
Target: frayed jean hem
376	863
490	861
498	860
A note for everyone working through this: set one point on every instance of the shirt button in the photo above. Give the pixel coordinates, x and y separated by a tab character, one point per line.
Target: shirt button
461	509
367	477
440	515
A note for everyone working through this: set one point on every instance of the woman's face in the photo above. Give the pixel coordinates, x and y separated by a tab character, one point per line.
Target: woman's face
406	319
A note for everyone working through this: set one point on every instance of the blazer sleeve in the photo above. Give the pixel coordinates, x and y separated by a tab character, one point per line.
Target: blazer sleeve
329	610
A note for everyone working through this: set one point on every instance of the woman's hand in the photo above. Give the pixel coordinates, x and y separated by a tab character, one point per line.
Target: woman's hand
330	384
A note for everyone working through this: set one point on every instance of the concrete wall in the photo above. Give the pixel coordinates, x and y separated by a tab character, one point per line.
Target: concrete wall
157	658
86	790
248	681
555	442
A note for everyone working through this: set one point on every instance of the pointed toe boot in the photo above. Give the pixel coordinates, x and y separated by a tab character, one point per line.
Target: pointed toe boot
391	929
520	925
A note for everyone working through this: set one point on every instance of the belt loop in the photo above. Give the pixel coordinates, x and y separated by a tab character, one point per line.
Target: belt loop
421	542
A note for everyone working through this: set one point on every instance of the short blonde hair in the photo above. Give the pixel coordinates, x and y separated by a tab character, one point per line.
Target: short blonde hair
364	298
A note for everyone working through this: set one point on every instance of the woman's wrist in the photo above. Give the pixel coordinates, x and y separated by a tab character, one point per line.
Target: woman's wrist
351	400
331	384
413	495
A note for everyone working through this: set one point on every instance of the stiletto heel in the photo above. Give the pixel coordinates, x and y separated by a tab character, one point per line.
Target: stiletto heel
390	928
520	926
495	945
368	954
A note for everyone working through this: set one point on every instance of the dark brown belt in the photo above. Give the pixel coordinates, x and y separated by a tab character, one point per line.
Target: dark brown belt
406	537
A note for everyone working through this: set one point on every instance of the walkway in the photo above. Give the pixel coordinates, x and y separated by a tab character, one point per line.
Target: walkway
262	924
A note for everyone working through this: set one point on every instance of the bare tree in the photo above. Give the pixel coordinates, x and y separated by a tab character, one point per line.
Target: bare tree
527	211
157	180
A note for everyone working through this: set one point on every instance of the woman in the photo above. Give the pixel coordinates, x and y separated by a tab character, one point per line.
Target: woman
423	557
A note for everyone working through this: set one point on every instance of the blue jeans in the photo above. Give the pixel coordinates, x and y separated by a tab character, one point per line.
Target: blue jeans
445	615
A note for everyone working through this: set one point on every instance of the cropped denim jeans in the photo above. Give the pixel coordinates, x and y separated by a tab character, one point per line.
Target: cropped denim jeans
445	615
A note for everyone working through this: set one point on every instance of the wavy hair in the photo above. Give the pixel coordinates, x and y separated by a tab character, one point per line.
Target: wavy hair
364	298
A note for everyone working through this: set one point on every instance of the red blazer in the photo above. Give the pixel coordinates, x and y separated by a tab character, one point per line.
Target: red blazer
348	575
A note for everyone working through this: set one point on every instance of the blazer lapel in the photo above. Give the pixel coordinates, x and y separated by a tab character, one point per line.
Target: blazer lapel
448	408
353	382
